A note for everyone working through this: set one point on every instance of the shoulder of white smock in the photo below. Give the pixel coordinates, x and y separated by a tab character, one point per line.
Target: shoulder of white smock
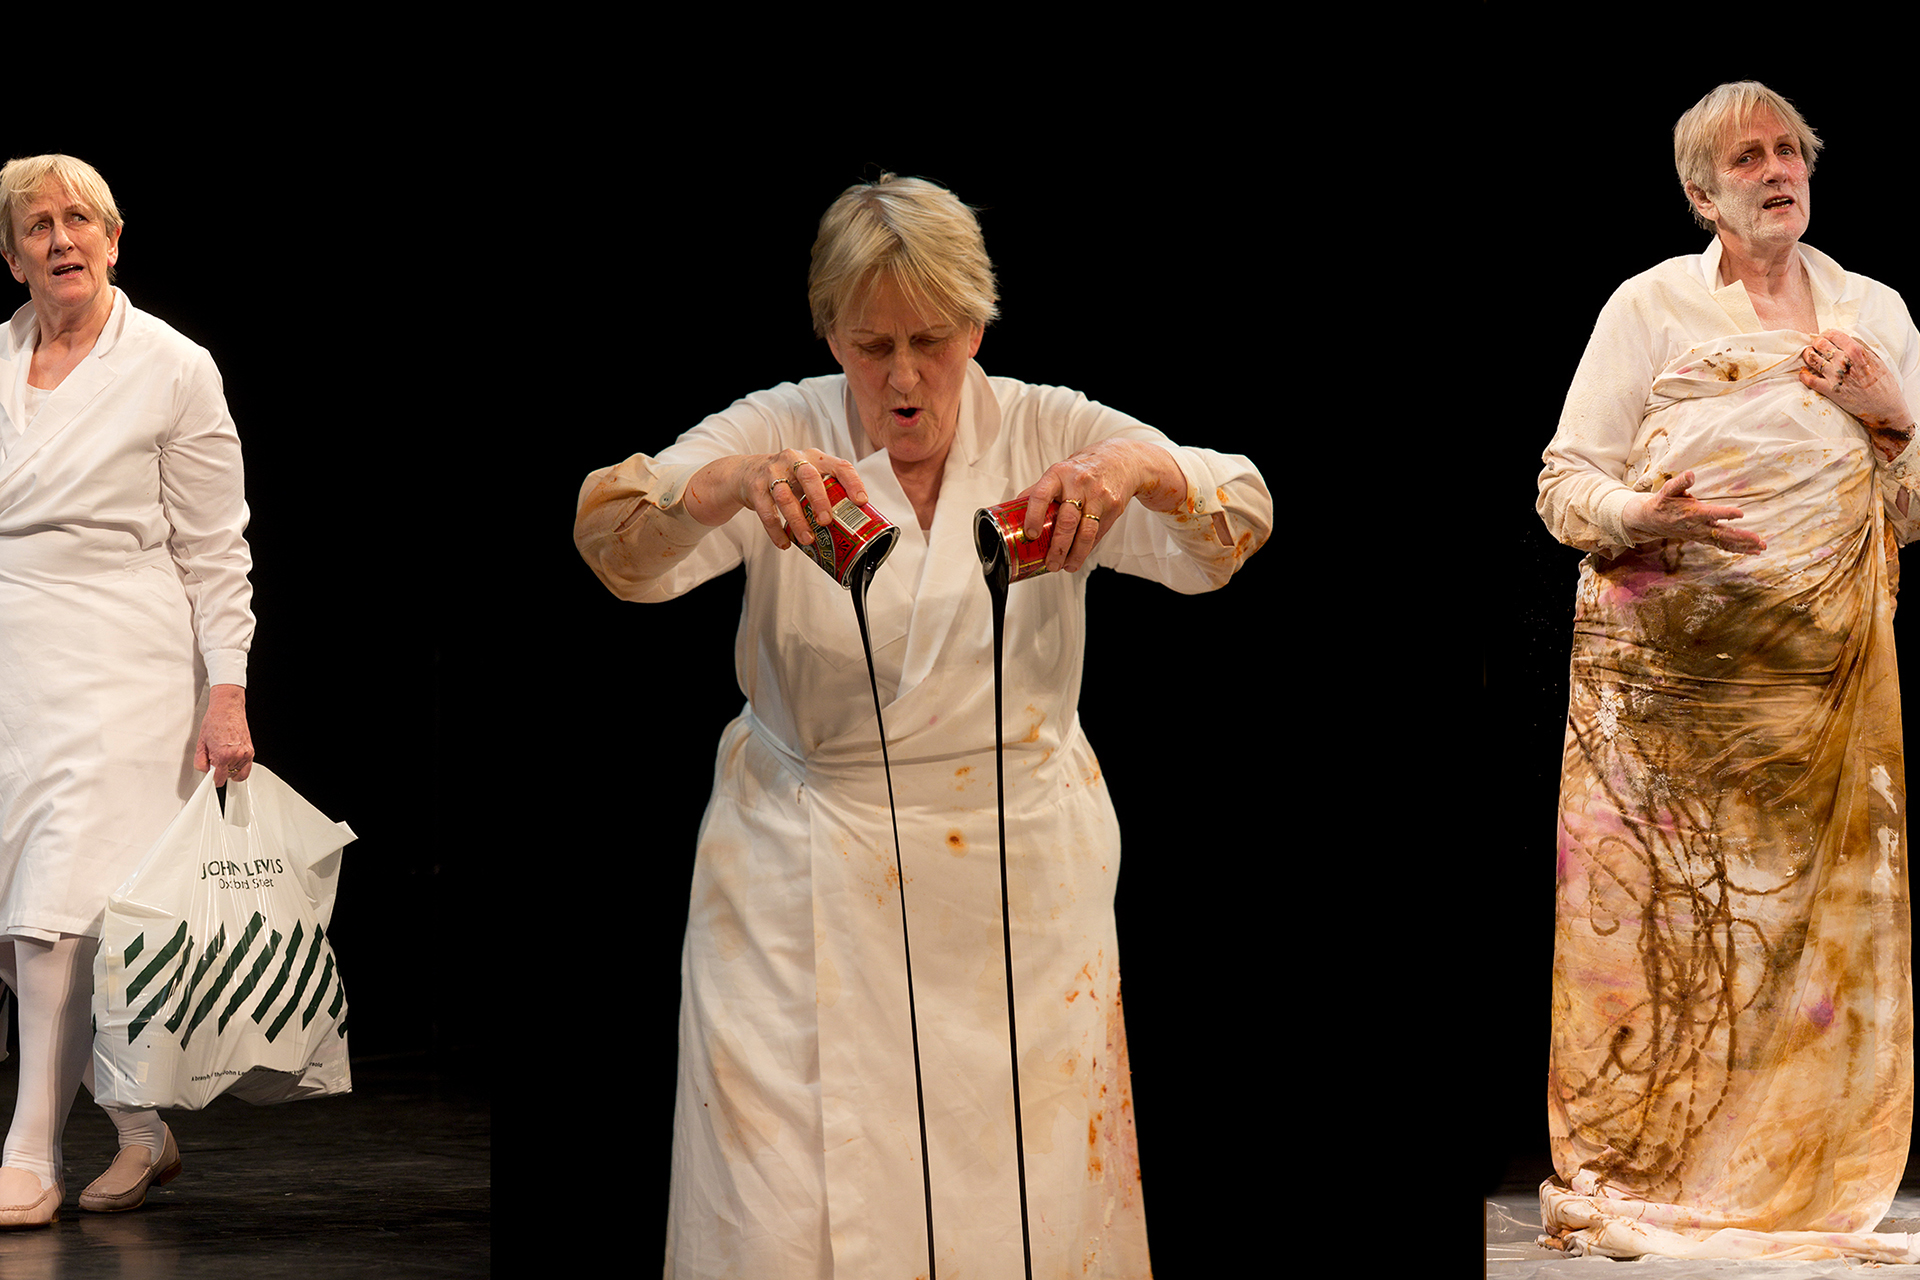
1006	391
827	389
130	323
1643	304
1686	271
824	394
1044	400
810	413
1837	293
1823	267
1683	282
1848	287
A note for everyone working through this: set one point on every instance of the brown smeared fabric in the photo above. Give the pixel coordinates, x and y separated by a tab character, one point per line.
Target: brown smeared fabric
1731	1069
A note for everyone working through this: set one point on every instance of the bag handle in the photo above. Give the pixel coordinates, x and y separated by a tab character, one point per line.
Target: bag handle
236	804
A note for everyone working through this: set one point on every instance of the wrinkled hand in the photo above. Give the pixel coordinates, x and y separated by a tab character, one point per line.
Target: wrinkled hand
1675	514
225	746
1093	487
771	486
1853	376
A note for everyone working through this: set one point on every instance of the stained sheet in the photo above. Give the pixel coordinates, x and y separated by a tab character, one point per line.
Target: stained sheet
1732	1012
1513	1252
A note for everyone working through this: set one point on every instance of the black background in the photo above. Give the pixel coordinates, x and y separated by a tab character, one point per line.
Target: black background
440	300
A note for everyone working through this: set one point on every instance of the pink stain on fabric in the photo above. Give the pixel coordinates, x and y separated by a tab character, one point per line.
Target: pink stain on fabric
1821	1015
1627	587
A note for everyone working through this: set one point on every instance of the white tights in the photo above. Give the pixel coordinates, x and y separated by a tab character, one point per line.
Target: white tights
52	984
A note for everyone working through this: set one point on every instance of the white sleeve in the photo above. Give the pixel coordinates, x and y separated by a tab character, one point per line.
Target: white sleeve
1582	486
203	493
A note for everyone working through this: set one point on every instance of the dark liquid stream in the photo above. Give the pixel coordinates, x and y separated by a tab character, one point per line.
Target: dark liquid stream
997	573
857	586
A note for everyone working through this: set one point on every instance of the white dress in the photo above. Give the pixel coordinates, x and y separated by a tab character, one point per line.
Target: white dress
123	595
796	1145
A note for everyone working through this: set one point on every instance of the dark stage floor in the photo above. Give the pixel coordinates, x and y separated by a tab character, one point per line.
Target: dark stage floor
392	1180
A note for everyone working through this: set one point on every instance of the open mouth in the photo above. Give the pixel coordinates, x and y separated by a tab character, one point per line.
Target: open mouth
1778	202
68	269
907	414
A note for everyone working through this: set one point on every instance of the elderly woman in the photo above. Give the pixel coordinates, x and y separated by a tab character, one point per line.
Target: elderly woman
1731	1069
125	623
796	1149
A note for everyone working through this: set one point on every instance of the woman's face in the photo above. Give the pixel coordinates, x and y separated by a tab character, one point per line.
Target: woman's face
906	369
62	251
1761	201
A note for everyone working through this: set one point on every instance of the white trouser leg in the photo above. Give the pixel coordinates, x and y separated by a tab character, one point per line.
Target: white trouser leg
52	984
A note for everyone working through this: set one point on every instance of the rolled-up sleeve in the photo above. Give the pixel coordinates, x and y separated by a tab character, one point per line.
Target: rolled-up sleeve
1188	553
631	524
632	527
1182	548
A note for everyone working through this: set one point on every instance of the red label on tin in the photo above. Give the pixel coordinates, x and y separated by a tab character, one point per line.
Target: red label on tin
1025	559
852	535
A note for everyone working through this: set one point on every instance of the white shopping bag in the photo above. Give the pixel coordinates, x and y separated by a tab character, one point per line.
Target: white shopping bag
214	973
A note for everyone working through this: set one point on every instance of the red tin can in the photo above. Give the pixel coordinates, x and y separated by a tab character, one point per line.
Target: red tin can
853	539
999	536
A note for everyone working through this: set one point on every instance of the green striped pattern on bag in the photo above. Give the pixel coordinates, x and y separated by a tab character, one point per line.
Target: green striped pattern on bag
167	973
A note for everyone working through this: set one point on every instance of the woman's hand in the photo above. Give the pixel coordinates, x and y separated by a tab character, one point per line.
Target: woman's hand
1093	487
1854	377
225	746
771	486
1675	514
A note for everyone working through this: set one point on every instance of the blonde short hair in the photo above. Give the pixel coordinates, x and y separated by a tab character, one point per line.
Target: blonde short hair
1707	126
913	230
